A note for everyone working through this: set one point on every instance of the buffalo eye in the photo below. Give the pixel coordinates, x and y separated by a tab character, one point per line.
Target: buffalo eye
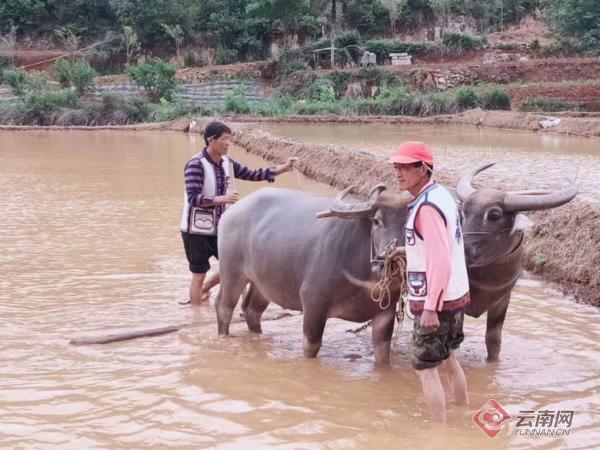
494	214
376	221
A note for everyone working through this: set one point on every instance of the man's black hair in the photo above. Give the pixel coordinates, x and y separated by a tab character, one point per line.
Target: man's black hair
421	163
215	130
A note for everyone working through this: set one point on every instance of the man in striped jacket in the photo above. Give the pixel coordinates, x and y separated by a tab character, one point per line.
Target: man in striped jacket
208	182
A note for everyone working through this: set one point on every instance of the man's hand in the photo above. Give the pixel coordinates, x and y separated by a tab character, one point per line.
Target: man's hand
429	321
286	166
230	198
398	253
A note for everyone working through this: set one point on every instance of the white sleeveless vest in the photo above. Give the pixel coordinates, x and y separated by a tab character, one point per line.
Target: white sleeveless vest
198	220
458	285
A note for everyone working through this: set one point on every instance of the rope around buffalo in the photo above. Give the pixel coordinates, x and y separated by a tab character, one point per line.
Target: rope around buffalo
380	292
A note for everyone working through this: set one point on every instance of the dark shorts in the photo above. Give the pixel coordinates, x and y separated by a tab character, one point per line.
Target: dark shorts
198	250
430	349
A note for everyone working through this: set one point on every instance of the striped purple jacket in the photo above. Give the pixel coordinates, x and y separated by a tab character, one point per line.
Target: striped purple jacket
194	181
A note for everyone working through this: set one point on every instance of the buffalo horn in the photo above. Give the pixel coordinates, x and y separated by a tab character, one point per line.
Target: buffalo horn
346	210
529	202
464	187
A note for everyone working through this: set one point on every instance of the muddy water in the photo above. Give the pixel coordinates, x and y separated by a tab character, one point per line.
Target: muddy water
523	160
90	245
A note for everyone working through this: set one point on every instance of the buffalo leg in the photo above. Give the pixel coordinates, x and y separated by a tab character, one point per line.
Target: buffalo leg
493	333
383	328
313	326
254	305
227	298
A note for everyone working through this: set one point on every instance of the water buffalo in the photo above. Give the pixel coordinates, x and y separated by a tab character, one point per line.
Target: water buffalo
493	237
273	240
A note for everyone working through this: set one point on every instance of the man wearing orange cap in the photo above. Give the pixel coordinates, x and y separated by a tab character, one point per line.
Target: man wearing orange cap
438	286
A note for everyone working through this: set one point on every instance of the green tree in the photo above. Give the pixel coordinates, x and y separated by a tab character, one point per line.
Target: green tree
285	16
84	17
366	16
156	76
579	19
394	8
147	16
8	42
16	79
63	72
82	77
131	42
442	9
176	33
21	13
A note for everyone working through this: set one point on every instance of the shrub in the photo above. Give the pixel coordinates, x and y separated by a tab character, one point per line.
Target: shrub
507	47
545	104
293	66
379	77
539	261
63	72
140	109
236	101
459	42
78	74
279	107
294	59
466	98
348	42
82	76
339	81
496	99
5	63
322	90
156	77
225	56
347	38
174	110
16	79
316	107
36	81
297	84
40	106
190	60
393	94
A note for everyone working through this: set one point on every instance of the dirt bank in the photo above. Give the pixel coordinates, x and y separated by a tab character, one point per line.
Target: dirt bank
575	124
535	70
579	124
585	95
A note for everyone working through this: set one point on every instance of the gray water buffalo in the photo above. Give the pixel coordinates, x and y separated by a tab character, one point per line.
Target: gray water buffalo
493	236
272	240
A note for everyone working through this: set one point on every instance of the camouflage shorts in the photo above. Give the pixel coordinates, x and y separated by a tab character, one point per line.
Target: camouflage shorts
430	349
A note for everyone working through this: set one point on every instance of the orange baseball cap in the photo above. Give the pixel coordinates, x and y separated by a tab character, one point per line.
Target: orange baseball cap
411	152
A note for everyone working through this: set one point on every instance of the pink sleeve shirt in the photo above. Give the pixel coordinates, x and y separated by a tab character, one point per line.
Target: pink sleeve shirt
430	224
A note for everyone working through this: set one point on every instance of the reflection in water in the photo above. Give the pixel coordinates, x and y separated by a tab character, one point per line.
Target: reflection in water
524	160
91	245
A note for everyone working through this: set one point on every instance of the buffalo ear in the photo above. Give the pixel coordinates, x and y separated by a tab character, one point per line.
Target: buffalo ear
522	223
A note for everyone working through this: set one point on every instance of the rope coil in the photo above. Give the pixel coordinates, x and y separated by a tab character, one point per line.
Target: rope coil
381	293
